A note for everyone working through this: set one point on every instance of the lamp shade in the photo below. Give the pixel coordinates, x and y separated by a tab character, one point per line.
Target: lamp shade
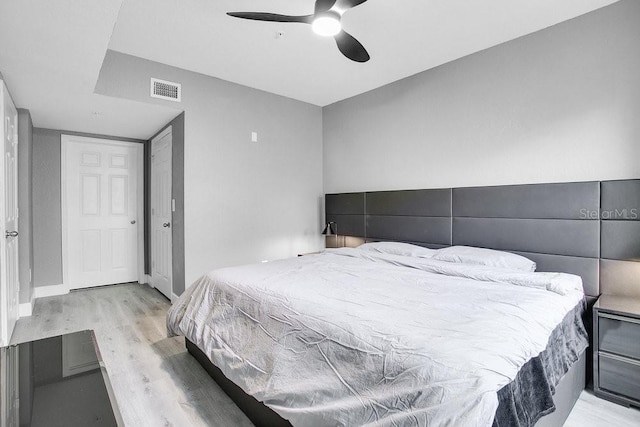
330	229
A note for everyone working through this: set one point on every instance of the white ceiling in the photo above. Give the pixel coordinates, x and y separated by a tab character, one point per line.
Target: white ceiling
50	56
403	37
51	51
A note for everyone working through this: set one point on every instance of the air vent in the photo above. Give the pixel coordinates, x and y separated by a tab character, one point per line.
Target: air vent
166	90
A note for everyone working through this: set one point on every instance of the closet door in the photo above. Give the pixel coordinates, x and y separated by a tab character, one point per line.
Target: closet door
161	213
100	203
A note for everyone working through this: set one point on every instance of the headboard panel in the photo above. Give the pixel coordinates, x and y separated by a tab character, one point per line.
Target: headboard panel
346	210
587	228
544	236
419	216
620	235
531	201
547	223
587	268
429	203
428	231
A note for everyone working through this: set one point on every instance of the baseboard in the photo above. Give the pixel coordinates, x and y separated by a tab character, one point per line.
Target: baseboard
147	279
50	291
174	297
25	309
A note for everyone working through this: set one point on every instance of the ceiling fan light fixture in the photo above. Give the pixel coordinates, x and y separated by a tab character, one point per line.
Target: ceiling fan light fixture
327	24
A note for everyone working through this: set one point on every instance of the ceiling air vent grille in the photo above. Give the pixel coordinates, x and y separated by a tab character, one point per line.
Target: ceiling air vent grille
166	90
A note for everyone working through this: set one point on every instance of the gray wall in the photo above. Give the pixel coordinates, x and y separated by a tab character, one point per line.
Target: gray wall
177	193
243	202
25	190
562	104
47	213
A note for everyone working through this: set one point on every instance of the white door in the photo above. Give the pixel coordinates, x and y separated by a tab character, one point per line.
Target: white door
161	208
78	354
102	195
9	285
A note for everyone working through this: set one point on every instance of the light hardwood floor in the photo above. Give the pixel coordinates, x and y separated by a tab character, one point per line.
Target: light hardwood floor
157	383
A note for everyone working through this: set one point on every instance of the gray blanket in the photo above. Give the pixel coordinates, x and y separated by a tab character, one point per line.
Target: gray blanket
530	396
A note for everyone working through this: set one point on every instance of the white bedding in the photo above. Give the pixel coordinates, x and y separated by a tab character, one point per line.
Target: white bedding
351	338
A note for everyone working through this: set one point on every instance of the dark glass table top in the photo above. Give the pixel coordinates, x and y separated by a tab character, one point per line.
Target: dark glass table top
58	381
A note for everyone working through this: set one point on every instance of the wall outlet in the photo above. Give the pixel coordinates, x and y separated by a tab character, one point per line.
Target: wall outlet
254	136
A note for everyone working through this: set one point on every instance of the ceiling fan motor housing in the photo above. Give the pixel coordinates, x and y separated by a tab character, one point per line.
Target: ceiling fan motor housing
327	23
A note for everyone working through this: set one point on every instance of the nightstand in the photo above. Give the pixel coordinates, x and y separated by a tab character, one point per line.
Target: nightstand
616	349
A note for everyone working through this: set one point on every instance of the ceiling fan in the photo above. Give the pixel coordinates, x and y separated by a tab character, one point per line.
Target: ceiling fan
325	21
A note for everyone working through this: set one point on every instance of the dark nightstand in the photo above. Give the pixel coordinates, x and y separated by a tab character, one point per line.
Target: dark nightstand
616	349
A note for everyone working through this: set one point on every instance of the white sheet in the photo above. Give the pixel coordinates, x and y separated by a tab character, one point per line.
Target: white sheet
350	338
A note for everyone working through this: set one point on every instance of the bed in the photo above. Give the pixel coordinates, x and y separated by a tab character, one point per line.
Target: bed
288	324
362	337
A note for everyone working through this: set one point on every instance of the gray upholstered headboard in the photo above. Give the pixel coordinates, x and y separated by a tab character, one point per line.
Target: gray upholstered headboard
591	229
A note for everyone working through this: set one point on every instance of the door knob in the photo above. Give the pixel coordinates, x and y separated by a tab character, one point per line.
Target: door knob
8	234
133	221
166	224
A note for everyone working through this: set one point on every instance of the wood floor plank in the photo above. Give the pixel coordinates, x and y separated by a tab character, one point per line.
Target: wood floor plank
157	383
593	411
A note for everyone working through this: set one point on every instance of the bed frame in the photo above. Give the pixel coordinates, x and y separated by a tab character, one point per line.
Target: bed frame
591	229
567	392
259	414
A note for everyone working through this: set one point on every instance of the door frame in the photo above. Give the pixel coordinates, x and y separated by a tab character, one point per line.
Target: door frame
65	140
167	130
5	287
5	295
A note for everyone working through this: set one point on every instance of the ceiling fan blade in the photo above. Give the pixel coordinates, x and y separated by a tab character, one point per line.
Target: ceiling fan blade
323	5
351	48
271	17
348	4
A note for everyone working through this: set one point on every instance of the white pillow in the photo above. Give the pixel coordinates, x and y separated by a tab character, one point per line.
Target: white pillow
397	248
488	257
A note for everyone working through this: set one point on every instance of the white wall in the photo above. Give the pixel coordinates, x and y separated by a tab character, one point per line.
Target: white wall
562	104
244	202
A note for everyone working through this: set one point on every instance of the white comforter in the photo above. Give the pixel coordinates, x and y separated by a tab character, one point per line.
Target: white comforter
350	338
